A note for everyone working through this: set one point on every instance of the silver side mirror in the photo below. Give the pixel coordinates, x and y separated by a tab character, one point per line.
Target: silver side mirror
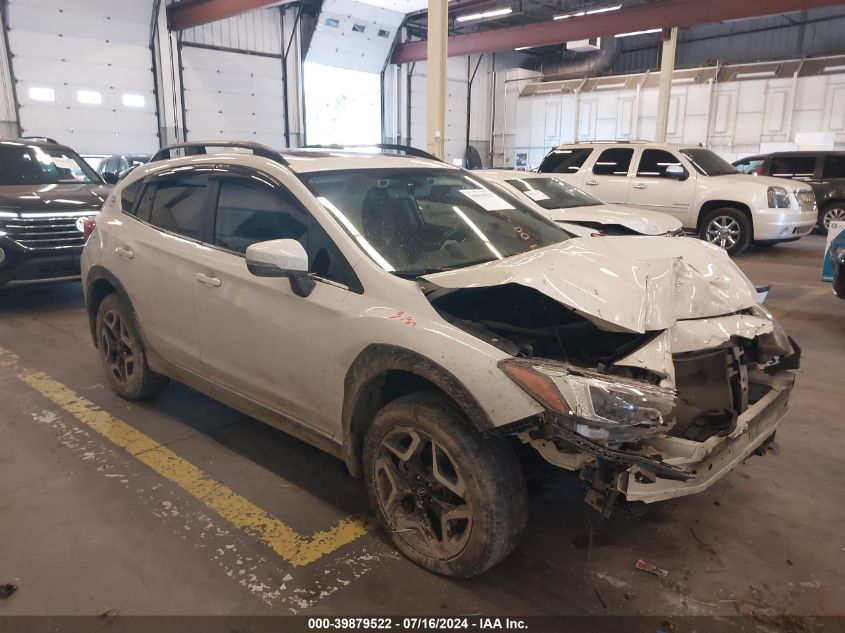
676	171
281	258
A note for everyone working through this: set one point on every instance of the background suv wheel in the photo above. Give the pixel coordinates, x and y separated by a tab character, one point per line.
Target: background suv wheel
833	212
727	228
122	352
452	501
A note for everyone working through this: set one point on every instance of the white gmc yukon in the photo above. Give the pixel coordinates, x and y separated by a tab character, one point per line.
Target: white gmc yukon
693	184
426	328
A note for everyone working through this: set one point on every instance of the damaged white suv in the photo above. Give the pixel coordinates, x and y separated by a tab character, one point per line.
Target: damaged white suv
398	313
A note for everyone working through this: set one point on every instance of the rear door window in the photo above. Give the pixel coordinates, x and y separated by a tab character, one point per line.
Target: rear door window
614	162
565	161
176	205
834	166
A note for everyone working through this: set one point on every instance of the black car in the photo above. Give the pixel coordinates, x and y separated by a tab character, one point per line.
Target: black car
46	192
113	168
839	274
823	171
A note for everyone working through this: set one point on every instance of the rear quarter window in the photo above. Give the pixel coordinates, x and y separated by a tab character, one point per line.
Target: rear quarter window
565	161
129	194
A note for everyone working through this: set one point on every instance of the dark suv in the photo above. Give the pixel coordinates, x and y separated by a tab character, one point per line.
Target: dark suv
46	192
823	171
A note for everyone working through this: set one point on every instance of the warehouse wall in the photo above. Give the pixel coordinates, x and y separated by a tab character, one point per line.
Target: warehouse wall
87	82
231	75
735	118
491	98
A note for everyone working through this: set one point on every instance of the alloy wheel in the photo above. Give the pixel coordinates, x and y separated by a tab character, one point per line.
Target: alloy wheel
834	214
118	346
723	231
422	493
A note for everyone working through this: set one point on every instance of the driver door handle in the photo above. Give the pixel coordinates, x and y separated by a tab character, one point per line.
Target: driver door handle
592	183
640	186
206	280
122	251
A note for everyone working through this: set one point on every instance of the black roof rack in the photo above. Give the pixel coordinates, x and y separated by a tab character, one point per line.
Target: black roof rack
197	148
43	139
407	149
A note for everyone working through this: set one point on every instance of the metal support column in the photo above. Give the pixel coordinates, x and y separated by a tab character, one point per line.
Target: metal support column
435	71
667	67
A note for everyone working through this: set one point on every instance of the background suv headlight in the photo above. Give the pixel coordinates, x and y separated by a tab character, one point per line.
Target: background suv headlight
779	198
600	406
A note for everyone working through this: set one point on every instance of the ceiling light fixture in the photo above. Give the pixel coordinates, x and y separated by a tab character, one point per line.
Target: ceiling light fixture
578	14
638	33
496	13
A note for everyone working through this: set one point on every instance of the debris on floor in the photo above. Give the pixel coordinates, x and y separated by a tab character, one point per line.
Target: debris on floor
7	590
651	569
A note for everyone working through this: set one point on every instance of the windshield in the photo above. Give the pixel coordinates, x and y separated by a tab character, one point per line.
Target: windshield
708	163
551	193
418	221
22	164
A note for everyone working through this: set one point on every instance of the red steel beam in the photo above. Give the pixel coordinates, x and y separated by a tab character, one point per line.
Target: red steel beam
189	13
665	14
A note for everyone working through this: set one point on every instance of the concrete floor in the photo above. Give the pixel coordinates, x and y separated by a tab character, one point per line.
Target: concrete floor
85	527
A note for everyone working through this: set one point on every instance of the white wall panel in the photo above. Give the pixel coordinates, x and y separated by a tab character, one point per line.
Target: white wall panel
85	45
259	31
735	118
233	95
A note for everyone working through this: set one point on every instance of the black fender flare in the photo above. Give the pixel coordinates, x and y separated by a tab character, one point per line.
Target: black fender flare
372	364
99	273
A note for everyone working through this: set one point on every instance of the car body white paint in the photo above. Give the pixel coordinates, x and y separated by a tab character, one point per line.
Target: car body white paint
253	337
686	199
642	221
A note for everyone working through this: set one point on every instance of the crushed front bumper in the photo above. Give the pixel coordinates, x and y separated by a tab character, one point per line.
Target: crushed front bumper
707	462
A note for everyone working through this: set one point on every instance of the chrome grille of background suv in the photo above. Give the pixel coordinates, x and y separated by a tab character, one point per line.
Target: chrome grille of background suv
46	232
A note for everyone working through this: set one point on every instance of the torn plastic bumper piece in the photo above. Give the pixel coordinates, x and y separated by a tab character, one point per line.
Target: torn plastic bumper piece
714	458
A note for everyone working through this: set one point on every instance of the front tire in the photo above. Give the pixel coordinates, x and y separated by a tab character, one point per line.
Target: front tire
452	501
833	212
727	228
122	353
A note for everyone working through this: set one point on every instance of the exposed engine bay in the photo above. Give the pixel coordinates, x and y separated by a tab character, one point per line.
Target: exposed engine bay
625	405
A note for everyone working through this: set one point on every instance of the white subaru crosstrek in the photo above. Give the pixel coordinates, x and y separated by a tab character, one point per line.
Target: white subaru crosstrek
402	315
695	185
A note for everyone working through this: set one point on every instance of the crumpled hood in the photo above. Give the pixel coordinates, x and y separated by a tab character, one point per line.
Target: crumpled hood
636	284
639	220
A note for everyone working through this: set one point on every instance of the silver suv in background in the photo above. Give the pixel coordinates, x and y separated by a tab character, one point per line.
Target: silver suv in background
693	184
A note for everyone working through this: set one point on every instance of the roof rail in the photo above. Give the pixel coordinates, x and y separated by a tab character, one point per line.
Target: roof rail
43	139
407	149
196	148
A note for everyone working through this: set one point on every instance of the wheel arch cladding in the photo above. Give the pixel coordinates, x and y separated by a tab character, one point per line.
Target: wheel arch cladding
99	284
712	205
382	373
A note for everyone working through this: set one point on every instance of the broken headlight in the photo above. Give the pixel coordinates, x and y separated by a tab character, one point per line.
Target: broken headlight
604	407
772	345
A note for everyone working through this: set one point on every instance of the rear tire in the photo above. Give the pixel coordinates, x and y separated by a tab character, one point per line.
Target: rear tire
727	228
452	501
122	352
833	212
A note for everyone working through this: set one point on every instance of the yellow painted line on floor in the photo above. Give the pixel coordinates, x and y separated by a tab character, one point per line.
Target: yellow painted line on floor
295	548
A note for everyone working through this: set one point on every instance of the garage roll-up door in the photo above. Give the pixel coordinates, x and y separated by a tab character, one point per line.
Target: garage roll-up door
233	96
84	73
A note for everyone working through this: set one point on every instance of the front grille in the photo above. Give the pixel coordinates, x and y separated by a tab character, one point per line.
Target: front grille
46	232
807	200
